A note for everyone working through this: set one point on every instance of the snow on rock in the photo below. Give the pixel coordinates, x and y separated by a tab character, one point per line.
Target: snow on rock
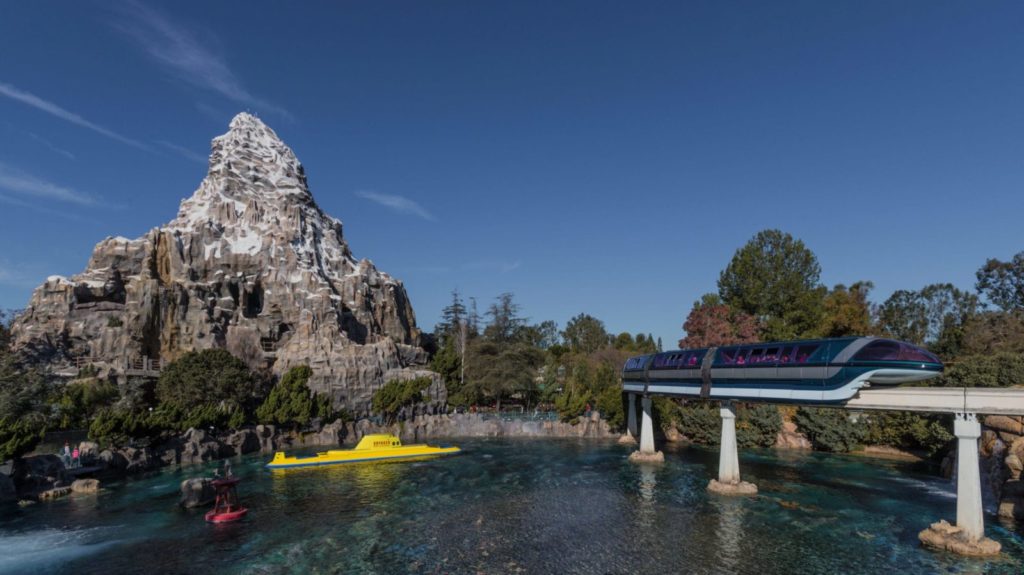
249	262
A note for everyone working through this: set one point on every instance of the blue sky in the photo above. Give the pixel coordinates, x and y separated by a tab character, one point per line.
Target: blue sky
599	157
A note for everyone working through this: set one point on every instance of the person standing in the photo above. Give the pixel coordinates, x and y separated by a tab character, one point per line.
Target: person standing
66	455
75	458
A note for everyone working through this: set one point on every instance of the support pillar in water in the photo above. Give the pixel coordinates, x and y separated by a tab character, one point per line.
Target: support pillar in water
968	536
631	431
647	453
728	482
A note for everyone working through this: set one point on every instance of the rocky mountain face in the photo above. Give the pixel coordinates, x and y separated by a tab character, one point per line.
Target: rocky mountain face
251	264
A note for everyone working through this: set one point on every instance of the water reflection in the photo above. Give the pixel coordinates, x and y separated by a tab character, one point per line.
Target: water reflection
729	533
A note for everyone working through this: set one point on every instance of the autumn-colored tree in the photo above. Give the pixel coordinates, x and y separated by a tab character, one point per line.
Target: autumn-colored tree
847	311
711	323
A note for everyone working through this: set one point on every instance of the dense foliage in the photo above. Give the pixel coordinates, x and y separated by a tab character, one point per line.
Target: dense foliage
926	433
775	279
292	403
25	411
211	376
712	323
830	429
399	393
999	370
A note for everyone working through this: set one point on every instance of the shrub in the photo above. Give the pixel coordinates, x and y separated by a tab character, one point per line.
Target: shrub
19	436
82	398
397	393
114	322
829	429
209	388
291	402
757	425
700	422
929	433
612	405
998	370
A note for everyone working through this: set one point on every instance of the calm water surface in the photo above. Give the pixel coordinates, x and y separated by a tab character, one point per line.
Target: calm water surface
514	506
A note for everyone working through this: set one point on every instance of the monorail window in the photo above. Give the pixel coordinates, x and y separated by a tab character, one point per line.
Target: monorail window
771	355
886	350
756	355
803	353
735	355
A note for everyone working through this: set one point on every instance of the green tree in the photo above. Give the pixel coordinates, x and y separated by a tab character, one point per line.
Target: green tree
292	403
933	316
81	400
397	394
999	370
775	279
712	322
499	370
452	317
210	381
993	332
928	433
447	362
830	429
24	407
585	334
1002	283
847	311
506	325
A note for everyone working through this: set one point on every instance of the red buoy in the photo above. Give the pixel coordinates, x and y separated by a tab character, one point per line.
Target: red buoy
226	508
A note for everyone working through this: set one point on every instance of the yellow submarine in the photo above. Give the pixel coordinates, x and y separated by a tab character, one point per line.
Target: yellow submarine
375	447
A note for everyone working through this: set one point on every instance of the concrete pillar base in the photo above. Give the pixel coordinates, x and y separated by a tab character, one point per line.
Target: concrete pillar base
627	439
641	457
740	488
942	535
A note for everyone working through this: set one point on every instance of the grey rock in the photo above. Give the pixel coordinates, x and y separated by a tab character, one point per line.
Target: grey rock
243	441
250	264
88	453
38	473
197	492
85	485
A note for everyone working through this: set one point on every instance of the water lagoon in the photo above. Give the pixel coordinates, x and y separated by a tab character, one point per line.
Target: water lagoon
515	506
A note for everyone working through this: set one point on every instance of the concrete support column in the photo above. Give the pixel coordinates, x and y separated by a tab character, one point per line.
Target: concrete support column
729	459
647	428
967	537
631	416
728	482
969	512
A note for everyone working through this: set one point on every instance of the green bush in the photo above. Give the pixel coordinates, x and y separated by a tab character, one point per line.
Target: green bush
82	398
397	393
757	425
998	370
612	405
292	403
830	429
19	436
700	422
928	433
205	377
114	426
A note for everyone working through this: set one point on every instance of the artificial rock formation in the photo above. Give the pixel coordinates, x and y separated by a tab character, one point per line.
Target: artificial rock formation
251	264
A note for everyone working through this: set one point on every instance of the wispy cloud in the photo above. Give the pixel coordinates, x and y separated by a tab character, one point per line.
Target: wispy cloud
55	110
183	151
182	53
18	182
502	267
398	203
52	147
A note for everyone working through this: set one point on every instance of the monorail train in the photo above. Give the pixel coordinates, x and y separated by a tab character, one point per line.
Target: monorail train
812	371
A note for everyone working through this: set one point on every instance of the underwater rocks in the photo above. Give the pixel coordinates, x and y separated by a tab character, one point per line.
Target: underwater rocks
942	535
739	488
